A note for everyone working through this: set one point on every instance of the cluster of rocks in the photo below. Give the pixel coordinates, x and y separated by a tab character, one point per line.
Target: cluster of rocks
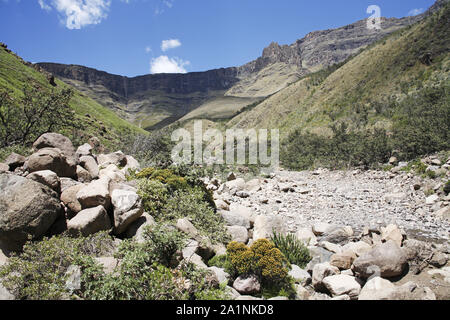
356	198
359	261
58	188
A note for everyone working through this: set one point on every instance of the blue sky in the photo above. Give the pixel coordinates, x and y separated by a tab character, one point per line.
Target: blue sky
136	37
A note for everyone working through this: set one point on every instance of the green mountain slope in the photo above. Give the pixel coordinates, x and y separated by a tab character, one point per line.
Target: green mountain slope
92	118
367	91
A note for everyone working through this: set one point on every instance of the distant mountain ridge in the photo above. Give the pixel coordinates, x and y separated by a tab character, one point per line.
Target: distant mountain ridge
153	101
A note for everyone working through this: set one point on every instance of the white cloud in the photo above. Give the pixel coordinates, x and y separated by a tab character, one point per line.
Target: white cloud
415	12
44	5
164	64
163	5
76	14
148	49
170	44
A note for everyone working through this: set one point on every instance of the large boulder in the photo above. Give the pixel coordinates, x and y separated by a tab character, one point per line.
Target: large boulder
266	225
56	140
84	150
117	158
243	211
338	236
358	248
48	178
343	260
392	232
27	209
247	285
95	194
238	233
377	289
89	221
83	175
14	161
4	168
235	219
307	236
132	164
299	275
137	228
342	284
386	260
127	209
54	160
320	272
69	198
381	289
113	173
220	273
89	163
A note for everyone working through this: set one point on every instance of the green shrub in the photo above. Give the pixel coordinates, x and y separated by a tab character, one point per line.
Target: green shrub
262	259
154	195
190	203
265	261
164	241
447	188
294	250
219	262
38	273
39	111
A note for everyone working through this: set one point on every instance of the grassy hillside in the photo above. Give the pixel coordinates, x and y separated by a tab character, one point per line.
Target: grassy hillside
91	118
371	91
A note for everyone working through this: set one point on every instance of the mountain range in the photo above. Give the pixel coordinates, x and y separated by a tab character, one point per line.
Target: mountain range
157	100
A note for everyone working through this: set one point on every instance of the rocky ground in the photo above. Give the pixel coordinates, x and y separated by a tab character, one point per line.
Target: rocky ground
354	198
371	234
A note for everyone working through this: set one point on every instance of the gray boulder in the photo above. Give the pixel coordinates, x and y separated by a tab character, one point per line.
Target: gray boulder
48	178
299	275
95	194
127	209
247	285
341	284
14	161
56	140
320	272
137	228
54	160
238	233
265	226
27	209
69	198
386	260
89	221
89	163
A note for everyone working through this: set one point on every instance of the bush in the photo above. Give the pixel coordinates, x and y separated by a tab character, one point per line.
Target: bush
154	195
294	250
261	259
265	261
422	123
39	111
219	262
38	273
447	188
190	203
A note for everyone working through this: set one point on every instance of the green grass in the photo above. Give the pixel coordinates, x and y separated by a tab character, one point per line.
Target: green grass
93	118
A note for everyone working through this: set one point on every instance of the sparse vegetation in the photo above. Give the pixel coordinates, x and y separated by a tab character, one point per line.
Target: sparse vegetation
294	250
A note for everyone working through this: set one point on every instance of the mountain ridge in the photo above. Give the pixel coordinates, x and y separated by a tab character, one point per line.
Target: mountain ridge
155	100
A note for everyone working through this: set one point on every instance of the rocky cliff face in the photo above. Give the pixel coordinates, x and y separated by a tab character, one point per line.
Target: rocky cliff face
155	100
